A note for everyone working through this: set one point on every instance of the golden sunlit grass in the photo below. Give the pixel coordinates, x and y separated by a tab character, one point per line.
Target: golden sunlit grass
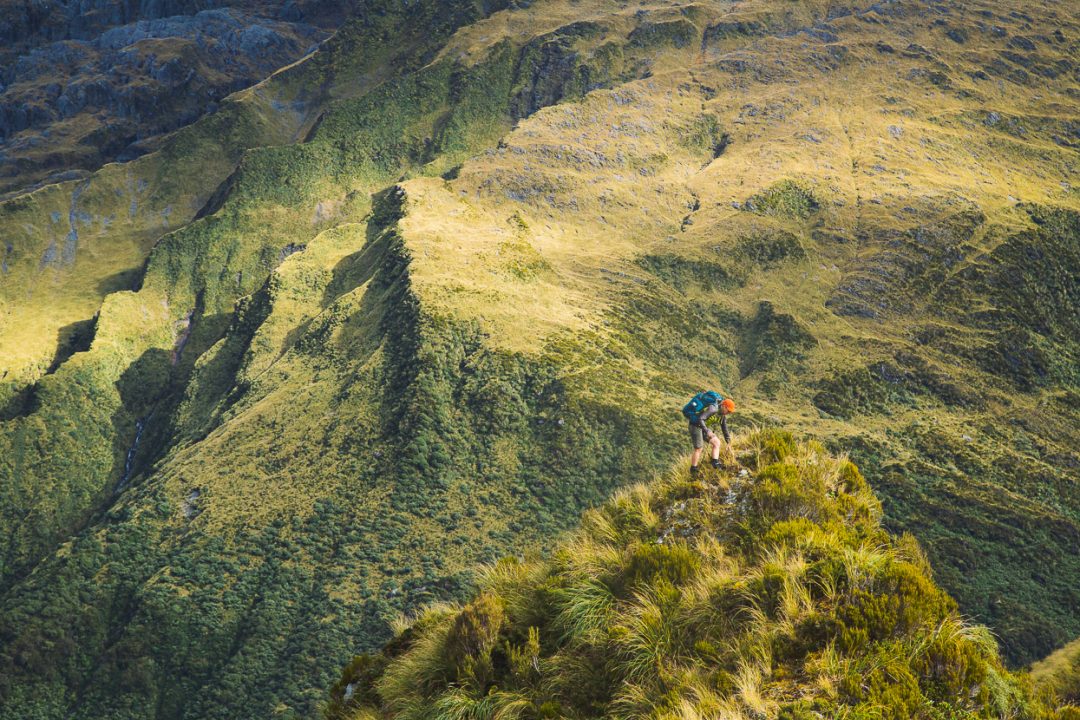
1060	672
599	194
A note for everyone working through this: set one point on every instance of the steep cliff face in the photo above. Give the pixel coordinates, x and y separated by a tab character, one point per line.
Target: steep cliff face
420	299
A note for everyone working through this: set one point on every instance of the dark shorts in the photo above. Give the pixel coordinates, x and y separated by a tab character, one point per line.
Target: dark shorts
697	436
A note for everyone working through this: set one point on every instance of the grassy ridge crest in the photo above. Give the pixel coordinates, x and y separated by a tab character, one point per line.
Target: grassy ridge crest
770	592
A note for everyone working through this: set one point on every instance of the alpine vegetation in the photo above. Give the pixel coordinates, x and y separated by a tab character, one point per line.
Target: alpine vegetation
770	592
420	298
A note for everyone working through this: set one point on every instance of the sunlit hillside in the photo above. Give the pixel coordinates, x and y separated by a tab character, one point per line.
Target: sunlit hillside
422	298
1060	672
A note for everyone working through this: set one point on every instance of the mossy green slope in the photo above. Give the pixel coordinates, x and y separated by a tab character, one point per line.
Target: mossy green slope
67	246
454	317
74	435
770	592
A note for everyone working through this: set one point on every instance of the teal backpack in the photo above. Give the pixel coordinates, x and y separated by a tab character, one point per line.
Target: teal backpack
692	410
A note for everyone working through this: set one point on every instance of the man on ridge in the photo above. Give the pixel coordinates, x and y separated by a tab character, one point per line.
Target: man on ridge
700	408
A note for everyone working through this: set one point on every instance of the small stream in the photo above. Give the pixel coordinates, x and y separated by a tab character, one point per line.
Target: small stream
129	459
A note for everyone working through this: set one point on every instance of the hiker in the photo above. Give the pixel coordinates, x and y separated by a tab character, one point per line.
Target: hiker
700	408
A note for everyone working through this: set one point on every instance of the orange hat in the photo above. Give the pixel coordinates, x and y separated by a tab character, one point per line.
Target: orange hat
728	405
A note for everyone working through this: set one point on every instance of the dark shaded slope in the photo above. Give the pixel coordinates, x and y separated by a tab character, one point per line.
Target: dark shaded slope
83	85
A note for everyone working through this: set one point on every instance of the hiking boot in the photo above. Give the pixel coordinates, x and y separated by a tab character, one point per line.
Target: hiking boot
718	465
694	470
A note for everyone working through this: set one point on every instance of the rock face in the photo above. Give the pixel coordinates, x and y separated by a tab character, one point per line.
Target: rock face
25	25
83	86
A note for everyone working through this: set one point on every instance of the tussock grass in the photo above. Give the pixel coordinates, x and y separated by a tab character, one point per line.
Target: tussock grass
1059	673
669	603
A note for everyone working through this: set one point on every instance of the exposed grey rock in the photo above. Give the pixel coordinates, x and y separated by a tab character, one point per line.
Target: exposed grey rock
131	83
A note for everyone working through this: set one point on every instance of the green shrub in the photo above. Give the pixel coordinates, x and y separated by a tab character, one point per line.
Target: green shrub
853	480
773	446
473	635
650	563
355	688
786	198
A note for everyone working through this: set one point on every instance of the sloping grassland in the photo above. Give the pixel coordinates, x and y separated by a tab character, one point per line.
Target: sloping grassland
457	298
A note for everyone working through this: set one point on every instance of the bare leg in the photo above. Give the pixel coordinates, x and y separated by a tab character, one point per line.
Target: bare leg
695	458
715	442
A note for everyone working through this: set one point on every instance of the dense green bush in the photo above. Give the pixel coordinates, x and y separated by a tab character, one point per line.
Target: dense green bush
786	199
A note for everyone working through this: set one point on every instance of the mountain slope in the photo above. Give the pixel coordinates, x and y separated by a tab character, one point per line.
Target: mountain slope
91	457
771	593
69	245
917	311
454	316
